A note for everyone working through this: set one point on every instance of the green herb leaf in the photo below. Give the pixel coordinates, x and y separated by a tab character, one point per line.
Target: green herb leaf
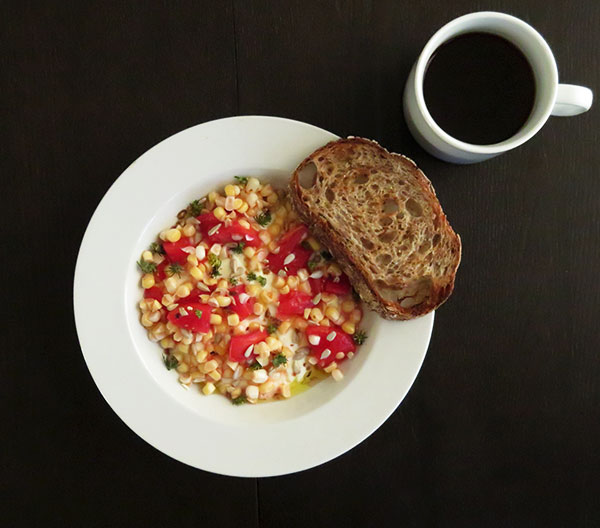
263	218
215	262
255	366
216	272
195	207
147	267
242	180
170	361
359	337
239	248
314	261
175	269
240	400
198	313
251	276
157	248
233	281
326	255
279	359
261	280
272	328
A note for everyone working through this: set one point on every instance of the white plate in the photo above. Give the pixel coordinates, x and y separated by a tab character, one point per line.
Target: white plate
208	432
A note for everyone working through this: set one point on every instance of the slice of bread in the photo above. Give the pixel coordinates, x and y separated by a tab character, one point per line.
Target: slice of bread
379	216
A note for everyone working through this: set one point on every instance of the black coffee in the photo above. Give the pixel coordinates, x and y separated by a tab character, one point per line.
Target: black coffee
479	88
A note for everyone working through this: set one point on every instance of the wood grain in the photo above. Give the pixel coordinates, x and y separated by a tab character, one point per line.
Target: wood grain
501	427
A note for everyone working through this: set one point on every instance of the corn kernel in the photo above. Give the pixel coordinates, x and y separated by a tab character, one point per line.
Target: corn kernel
215	375
314	243
316	315
349	327
212	196
208	388
334	269
348	306
233	319
232	190
278	282
253	289
266	190
243	208
293	282
258	309
302	275
196	273
272	198
330	367
265	237
147	256
192	260
209	366
337	375
324	322
355	316
304	287
300	323
219	213
333	313
252	199
223	300
266	387
183	291
201	355
244	223
189	230
210	281
170	284
287	352
173	235
261	348
274	229
273	343
267	296
286	392
249	252
253	326
285	290
284	326
222	284
215	319
145	321
252	185
167	342
148	281
182	367
237	203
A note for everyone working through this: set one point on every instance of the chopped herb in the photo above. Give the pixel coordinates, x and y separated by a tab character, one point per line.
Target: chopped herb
175	269
306	245
242	180
314	261
198	313
233	281
359	337
326	255
238	248
355	295
195	207
214	261
251	276
240	400
255	366
272	327
170	361
216	272
279	359
155	247
147	267
261	280
263	218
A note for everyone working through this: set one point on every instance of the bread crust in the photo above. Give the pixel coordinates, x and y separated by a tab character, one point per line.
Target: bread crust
353	265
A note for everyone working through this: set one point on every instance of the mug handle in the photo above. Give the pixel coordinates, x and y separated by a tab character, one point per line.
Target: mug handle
572	100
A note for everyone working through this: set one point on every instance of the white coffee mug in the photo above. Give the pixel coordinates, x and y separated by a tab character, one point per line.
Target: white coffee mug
551	98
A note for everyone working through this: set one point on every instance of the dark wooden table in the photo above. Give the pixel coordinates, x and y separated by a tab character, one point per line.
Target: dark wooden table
502	426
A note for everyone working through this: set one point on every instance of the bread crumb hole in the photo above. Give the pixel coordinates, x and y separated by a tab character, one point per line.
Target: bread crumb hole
307	175
424	247
384	259
387	237
436	239
385	221
367	243
413	207
330	195
390	206
361	179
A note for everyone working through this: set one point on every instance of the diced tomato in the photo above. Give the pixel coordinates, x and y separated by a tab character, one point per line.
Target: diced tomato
294	303
240	343
191	321
316	285
174	250
243	309
342	342
338	285
160	270
226	234
153	293
290	244
194	296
